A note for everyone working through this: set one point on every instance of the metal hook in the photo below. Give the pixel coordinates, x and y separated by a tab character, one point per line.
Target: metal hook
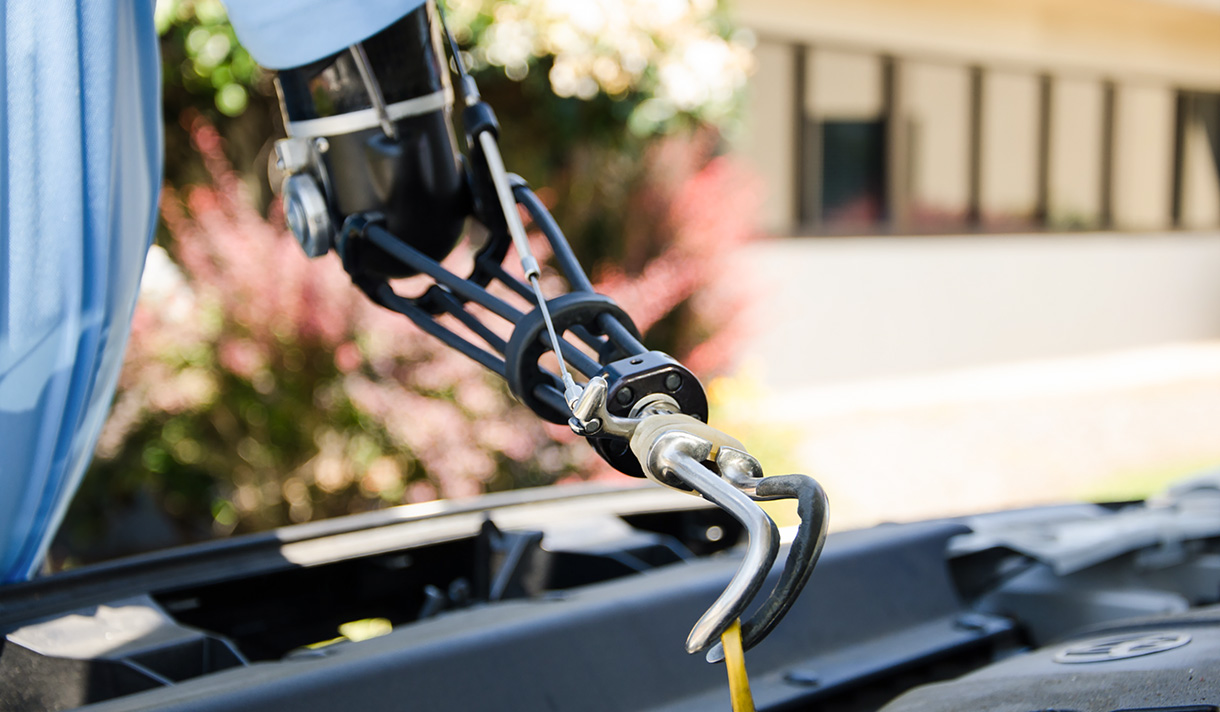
681	455
806	548
676	457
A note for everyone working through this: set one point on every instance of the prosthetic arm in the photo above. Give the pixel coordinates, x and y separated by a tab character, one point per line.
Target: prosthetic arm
371	169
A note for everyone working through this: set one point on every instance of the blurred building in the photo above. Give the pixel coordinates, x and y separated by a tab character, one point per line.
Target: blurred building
995	278
1087	132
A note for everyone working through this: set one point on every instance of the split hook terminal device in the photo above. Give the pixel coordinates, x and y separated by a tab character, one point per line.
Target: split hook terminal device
371	169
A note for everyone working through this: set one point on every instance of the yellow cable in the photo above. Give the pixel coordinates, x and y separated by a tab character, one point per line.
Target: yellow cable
735	664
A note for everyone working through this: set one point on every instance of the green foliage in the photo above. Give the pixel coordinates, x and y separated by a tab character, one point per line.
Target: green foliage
202	55
584	88
667	64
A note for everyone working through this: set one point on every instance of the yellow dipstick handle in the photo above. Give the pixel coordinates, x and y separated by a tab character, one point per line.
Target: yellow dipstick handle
735	663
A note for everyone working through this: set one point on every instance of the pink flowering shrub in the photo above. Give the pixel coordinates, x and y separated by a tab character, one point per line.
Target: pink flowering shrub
262	388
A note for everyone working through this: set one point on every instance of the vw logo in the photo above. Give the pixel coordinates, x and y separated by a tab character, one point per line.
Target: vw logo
1121	647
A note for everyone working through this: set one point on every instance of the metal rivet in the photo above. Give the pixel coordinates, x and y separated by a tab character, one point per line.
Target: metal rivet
321	144
673	381
624	395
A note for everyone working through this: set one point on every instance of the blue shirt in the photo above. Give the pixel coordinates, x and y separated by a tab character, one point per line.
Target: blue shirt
80	172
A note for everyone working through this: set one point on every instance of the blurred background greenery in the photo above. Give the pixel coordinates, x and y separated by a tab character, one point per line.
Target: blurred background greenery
261	389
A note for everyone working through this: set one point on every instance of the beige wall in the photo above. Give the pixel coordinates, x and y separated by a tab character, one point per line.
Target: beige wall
1134	39
843	85
1143	157
842	309
1010	146
765	141
936	103
1075	153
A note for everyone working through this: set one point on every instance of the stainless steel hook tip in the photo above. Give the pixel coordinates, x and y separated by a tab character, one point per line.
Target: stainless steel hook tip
675	456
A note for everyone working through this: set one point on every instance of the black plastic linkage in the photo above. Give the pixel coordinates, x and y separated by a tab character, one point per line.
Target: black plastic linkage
420	262
517	286
621	336
568	264
466	289
452	305
551	395
529	343
580	315
383	294
501	275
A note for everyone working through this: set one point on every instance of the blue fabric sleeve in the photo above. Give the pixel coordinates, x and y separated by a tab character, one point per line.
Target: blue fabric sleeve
80	169
80	172
288	33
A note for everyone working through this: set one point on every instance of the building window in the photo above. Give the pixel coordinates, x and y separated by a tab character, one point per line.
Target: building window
857	142
853	174
1198	196
843	166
